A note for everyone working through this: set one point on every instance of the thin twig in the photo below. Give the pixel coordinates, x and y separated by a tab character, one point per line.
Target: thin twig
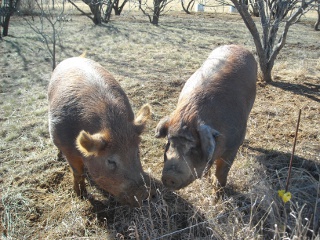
293	149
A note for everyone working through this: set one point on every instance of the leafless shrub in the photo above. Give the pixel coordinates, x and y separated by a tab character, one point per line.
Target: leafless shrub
53	18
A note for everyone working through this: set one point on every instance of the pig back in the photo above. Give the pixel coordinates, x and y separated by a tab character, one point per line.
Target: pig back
84	96
223	91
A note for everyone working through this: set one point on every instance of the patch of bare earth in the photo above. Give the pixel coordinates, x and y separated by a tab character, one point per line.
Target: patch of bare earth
152	63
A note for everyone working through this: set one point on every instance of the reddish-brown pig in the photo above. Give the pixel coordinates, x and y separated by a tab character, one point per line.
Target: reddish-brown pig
210	120
93	125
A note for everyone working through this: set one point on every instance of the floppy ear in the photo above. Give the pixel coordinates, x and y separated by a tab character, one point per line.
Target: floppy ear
143	115
162	127
91	145
208	142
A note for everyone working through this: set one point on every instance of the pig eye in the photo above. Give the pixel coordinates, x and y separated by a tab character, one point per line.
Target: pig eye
112	164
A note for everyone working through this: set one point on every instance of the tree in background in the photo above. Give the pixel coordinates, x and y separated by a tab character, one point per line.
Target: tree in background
95	8
153	12
117	7
101	9
7	8
274	15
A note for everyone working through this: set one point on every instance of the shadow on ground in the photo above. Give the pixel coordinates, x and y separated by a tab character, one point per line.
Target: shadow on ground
169	216
308	90
303	184
277	160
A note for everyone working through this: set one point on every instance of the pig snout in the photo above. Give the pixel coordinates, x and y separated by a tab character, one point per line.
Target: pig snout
137	195
177	174
170	181
170	177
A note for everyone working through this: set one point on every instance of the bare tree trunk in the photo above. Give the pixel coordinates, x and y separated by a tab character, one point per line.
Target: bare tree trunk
266	73
95	7
108	11
11	10
254	7
118	9
6	25
316	25
156	12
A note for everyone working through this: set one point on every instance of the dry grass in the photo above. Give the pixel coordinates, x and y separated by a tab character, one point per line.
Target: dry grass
152	63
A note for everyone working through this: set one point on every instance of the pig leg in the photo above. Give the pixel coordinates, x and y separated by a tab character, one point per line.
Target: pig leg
223	166
222	170
77	166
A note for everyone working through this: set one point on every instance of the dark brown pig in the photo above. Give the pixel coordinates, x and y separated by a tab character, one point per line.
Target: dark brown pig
210	120
92	123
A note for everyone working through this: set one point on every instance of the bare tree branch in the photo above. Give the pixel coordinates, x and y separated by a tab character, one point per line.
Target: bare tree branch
46	15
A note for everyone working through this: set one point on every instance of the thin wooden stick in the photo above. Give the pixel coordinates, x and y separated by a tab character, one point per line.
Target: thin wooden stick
293	149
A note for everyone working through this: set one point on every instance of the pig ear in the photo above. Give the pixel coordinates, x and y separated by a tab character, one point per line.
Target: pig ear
91	145
208	142
143	115
162	127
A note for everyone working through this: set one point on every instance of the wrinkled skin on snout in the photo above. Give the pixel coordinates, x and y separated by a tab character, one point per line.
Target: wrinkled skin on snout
209	123
93	125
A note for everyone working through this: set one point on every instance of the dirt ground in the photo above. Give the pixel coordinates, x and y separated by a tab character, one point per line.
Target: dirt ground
151	64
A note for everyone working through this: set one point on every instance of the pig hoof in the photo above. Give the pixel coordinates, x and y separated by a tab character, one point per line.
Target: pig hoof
81	193
60	157
219	193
